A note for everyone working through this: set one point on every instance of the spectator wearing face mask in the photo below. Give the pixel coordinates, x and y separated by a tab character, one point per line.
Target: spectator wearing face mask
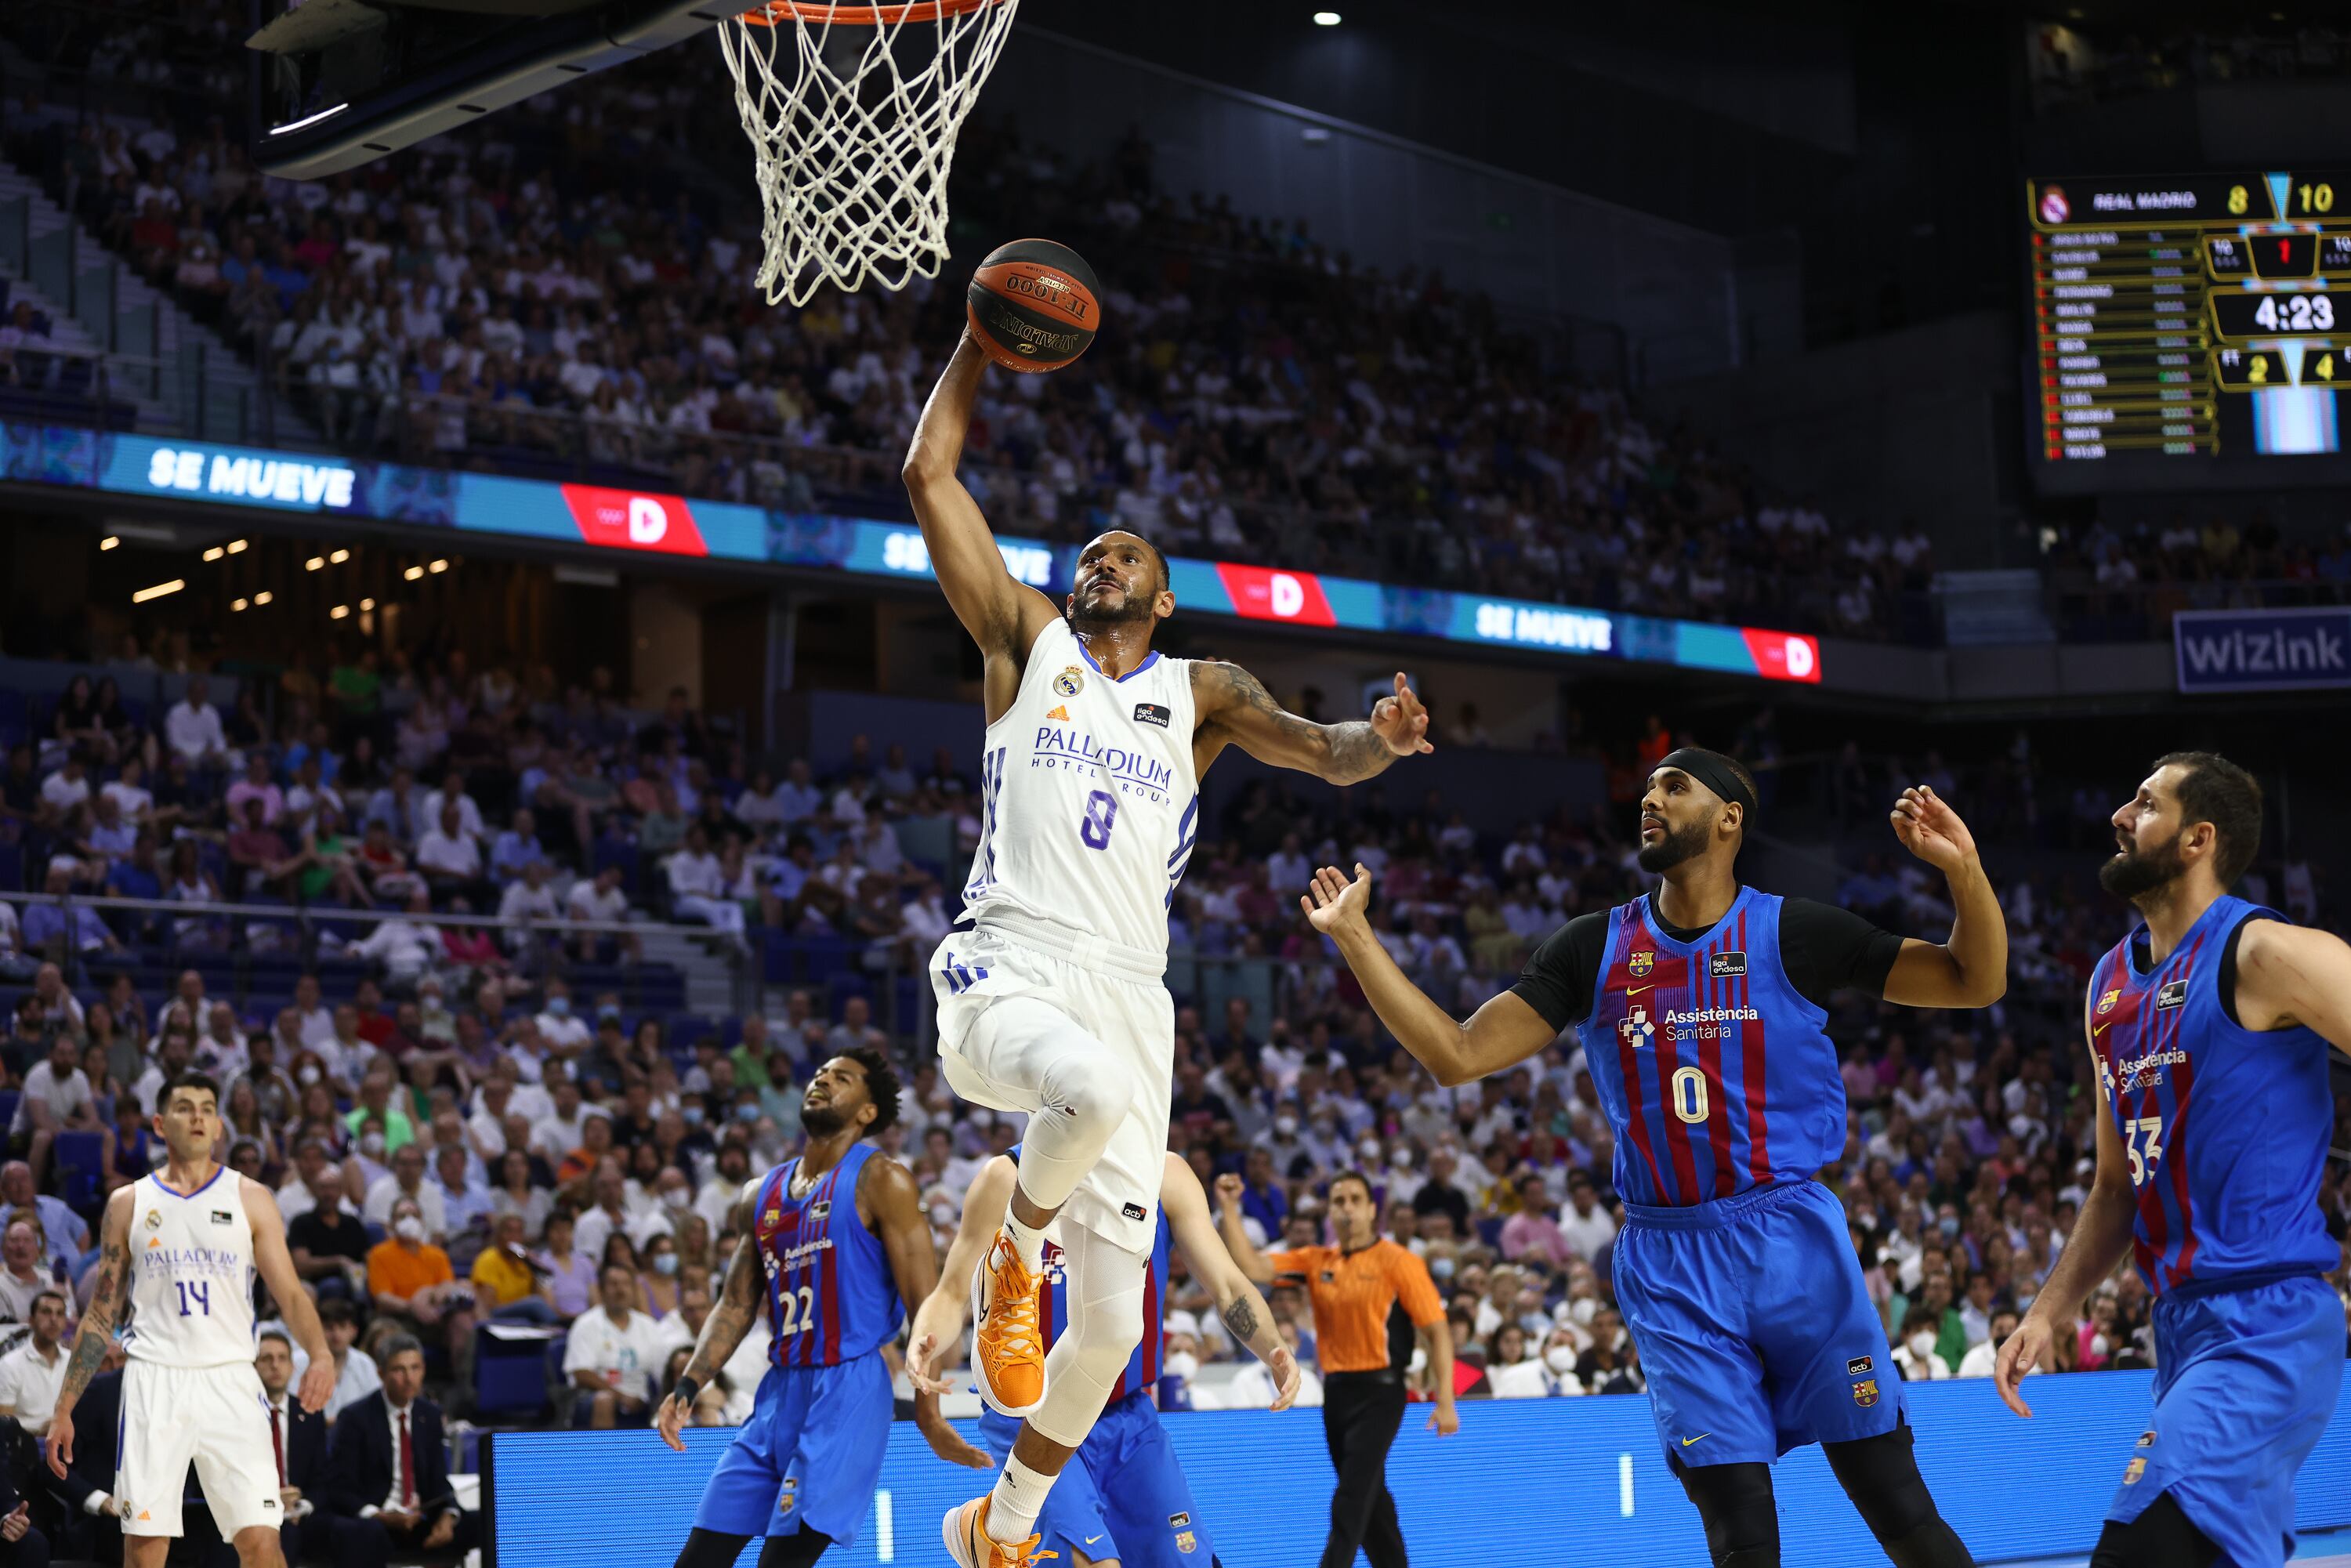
1916	1355
1560	1353
1979	1361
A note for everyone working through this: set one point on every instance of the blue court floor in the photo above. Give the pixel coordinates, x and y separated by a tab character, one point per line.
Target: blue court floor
2330	1550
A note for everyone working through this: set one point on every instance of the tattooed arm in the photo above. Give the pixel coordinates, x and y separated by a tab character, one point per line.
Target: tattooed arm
98	1325
1231	707
1247	1317
731	1317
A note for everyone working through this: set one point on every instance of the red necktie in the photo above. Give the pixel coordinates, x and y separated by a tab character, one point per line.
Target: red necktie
278	1444
407	1465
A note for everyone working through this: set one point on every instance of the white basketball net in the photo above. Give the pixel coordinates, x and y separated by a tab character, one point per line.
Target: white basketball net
853	162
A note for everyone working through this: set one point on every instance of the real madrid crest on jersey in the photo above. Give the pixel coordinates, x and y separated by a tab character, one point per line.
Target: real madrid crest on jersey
154	1219
1641	963
1070	682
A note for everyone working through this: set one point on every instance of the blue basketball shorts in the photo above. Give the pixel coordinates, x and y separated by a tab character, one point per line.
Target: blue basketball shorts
2245	1382
810	1456
1125	1497
1755	1329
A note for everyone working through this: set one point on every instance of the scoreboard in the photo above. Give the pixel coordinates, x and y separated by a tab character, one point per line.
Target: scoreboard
2188	331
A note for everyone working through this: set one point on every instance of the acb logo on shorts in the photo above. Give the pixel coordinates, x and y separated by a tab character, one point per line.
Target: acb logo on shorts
1641	963
1070	682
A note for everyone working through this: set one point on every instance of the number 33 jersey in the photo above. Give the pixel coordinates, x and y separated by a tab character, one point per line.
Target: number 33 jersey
191	1273
1088	806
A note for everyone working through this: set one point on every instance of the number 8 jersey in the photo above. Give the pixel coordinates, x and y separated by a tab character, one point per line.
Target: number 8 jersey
1088	806
191	1273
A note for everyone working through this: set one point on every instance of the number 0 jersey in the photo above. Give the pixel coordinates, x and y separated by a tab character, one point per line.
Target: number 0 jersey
191	1273
2227	1127
831	1296
1716	1074
1089	808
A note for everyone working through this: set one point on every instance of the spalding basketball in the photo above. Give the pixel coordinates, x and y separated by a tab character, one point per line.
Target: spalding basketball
1034	305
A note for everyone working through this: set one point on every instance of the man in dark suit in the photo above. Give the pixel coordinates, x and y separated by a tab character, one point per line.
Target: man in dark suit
22	1543
388	1470
311	1530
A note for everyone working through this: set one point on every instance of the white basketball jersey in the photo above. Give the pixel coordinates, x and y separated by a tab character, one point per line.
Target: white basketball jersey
191	1273
1090	810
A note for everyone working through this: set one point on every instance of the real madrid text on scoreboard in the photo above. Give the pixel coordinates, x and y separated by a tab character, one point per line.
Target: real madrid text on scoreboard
2191	329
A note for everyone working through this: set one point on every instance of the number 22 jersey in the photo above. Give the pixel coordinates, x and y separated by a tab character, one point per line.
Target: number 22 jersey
1089	806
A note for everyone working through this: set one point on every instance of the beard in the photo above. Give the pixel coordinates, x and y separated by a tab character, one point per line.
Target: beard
824	1121
1680	844
2134	873
1087	610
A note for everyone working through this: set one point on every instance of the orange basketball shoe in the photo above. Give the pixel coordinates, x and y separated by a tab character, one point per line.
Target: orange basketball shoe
965	1530
1007	1352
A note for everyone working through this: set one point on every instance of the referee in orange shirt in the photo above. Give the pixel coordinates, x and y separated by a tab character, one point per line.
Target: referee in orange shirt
1353	1287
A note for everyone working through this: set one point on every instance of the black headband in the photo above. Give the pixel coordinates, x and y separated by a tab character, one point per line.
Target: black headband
1711	771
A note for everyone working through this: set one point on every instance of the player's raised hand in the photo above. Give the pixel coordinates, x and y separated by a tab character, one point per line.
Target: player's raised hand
2022	1354
1400	721
1930	829
1332	900
1286	1375
317	1385
921	1358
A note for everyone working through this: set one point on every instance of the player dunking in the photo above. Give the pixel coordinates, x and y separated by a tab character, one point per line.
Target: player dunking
1699	1009
2208	1026
834	1241
1055	1003
1127	1503
181	1246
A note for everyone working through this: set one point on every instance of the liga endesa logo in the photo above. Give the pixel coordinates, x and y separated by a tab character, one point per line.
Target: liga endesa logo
632	519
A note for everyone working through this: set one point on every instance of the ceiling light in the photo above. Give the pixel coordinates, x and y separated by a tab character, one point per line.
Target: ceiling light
338	611
108	542
1326	19
161	589
264	597
238	604
367	604
339	557
438	566
215	553
238	546
413	573
315	563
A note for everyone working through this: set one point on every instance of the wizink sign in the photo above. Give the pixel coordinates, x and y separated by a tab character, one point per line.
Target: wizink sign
2262	650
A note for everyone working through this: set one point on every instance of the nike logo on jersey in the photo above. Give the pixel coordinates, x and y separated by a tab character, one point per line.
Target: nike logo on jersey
1636	990
1092	1539
1702	1438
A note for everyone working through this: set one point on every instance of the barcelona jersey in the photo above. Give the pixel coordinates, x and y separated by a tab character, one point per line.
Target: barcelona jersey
831	1296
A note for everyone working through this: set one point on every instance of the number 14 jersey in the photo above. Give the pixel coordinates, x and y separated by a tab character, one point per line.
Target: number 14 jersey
1088	806
191	1273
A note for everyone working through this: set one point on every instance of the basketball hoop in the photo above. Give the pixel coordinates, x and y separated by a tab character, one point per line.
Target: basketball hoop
852	157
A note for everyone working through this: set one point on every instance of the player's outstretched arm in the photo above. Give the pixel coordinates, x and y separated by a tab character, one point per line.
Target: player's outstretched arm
1251	1263
2102	1234
729	1319
1002	615
1502	1033
98	1322
1245	1315
2289	975
937	1334
889	1192
1231	707
1970	970
275	1267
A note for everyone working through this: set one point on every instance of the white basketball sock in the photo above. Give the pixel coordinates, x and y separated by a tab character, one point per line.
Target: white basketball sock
1029	1243
1017	1499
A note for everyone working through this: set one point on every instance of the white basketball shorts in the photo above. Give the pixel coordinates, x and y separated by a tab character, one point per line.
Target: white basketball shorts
1106	1010
212	1417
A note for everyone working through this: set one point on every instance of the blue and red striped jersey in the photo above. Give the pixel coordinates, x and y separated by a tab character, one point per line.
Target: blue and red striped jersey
2227	1127
831	1296
1716	1074
1142	1368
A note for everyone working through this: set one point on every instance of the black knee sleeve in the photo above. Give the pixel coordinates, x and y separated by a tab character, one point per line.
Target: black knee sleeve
1881	1476
710	1549
2162	1537
800	1548
1735	1504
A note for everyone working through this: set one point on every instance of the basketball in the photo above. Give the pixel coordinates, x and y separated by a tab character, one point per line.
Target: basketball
1034	305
